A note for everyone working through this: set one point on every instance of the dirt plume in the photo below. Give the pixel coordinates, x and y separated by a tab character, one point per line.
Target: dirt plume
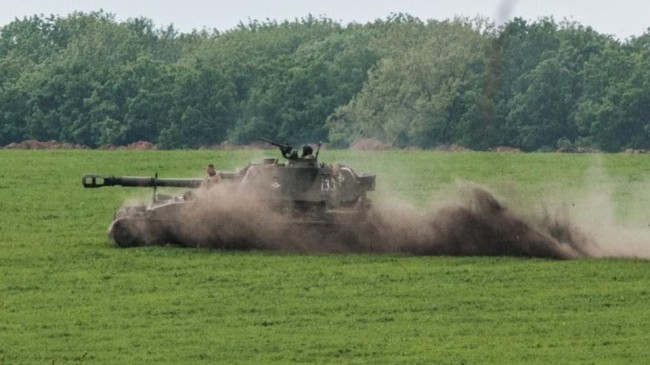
481	225
32	144
477	224
224	217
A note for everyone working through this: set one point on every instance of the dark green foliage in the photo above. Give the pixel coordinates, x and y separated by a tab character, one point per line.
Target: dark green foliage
89	79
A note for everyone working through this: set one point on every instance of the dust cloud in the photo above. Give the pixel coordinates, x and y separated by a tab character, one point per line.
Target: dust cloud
476	224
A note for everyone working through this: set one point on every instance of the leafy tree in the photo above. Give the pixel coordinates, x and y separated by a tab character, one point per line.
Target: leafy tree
86	78
540	113
202	113
614	112
415	97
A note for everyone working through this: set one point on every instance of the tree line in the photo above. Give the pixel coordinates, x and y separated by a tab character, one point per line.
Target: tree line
89	79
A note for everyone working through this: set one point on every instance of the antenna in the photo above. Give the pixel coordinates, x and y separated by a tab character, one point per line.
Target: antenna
155	186
318	149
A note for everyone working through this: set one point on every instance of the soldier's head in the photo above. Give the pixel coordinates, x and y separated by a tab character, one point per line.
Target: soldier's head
307	151
211	171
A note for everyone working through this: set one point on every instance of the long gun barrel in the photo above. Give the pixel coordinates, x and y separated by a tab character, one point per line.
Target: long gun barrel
96	181
282	146
286	149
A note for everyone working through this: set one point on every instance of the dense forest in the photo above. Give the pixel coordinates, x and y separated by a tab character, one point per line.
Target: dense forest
88	79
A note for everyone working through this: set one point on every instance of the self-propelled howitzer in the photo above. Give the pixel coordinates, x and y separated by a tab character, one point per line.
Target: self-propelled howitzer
301	189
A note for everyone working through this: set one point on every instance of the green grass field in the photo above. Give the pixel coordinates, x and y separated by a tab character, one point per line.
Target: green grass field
68	297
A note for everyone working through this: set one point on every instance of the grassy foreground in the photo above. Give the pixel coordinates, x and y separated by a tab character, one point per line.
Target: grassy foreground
67	297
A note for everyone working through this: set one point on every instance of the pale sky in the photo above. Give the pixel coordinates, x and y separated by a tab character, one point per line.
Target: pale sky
620	18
